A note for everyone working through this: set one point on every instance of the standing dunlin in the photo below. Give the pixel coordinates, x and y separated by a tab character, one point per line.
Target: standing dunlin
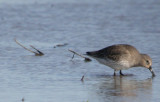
122	56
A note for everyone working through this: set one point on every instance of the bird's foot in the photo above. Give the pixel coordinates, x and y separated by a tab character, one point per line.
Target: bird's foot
120	72
114	73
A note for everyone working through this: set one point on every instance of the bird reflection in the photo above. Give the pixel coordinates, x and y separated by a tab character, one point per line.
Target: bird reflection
125	89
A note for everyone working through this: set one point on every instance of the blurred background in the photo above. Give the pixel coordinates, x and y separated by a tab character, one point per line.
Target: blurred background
84	25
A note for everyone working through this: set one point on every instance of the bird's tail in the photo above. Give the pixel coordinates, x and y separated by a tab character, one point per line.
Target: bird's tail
91	53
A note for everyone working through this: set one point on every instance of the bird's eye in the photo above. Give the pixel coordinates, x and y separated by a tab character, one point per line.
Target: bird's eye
147	62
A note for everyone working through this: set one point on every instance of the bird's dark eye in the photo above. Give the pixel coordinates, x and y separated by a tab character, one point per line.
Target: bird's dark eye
147	62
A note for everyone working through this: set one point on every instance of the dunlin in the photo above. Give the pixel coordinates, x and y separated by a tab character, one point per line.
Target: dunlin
121	57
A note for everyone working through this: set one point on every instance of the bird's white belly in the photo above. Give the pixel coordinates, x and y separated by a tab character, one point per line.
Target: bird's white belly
115	65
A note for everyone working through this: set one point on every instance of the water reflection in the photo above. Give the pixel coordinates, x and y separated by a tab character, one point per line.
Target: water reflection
125	89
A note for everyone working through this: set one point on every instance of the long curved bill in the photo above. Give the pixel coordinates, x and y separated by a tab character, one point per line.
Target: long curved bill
150	68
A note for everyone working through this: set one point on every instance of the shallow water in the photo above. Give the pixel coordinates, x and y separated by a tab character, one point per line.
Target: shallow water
84	26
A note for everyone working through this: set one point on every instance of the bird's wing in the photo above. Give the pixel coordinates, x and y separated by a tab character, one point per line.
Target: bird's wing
113	53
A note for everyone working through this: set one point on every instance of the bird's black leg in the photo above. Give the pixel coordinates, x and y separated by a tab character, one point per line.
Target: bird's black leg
120	72
114	73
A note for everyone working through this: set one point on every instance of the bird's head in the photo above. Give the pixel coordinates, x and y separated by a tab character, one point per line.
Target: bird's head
146	62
